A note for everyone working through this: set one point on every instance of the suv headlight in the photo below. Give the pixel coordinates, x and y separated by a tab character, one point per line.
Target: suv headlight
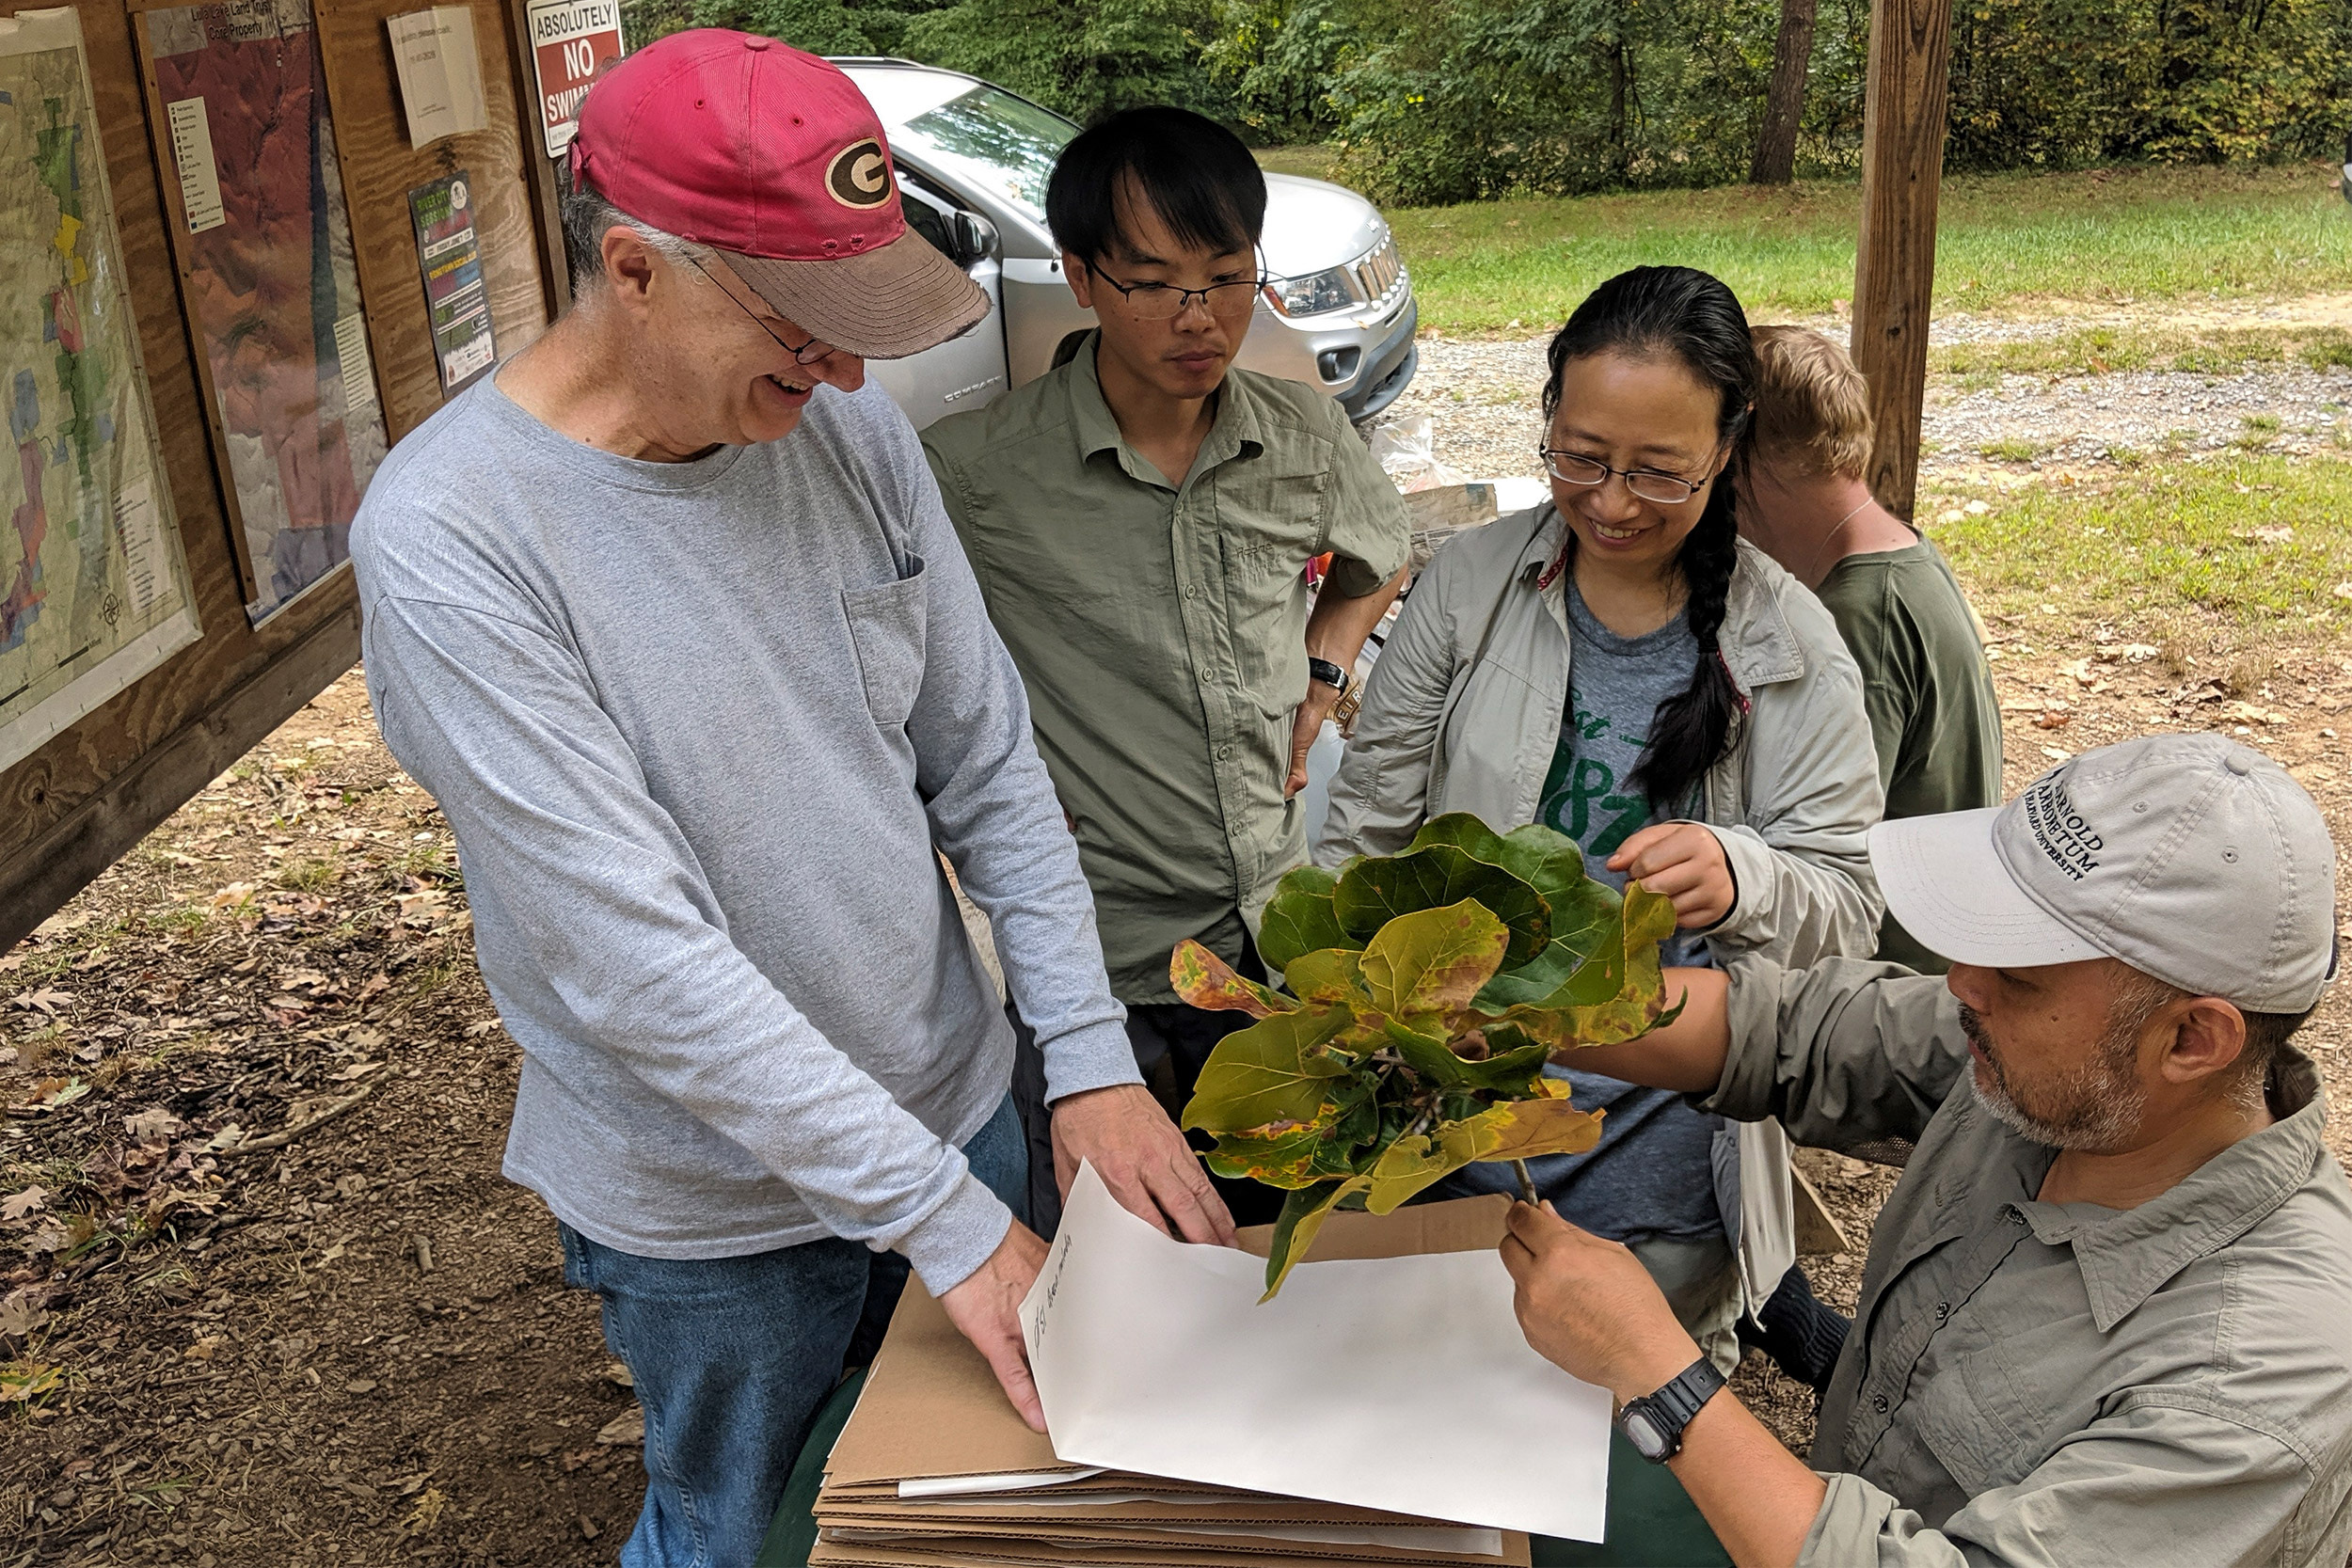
1313	294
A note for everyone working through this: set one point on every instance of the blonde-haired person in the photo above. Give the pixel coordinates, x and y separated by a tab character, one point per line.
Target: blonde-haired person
1804	500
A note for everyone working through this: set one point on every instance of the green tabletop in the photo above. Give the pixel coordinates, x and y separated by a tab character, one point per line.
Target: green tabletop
1651	1521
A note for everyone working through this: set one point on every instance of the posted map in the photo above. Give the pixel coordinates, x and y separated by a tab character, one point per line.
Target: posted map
93	587
271	281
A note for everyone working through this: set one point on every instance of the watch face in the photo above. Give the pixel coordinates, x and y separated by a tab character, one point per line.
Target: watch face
1646	1439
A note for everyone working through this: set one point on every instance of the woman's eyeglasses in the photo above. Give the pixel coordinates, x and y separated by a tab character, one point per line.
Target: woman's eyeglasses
1649	484
1159	302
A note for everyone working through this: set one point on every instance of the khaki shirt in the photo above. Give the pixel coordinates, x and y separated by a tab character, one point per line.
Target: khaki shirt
1162	631
2066	1384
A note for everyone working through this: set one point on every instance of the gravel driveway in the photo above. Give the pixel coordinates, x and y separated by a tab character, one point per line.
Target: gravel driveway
1481	398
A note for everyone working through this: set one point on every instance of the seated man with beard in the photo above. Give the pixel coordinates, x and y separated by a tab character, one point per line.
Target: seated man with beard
2105	1316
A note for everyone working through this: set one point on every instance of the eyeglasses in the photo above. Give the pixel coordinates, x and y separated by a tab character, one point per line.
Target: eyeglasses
1159	302
800	355
1663	489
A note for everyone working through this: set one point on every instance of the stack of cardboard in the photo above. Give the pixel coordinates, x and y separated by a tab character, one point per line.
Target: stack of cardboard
935	1468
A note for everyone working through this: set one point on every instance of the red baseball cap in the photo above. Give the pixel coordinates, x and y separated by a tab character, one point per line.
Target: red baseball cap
773	158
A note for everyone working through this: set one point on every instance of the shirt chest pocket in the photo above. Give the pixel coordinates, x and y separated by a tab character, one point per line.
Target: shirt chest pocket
1973	1415
886	628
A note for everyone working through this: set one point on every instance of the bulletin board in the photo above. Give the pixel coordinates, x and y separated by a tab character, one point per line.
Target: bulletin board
277	316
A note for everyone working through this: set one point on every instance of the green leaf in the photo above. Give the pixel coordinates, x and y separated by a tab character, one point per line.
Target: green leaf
1619	993
1276	1071
1584	914
1512	1063
1375	891
1303	1213
1205	980
1329	977
1429	964
1284	1159
1464	830
1429	1055
1299	918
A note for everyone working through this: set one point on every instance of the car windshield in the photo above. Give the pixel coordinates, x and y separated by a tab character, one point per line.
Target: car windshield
1005	143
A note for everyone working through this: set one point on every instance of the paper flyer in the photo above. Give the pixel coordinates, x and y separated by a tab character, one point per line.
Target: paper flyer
454	290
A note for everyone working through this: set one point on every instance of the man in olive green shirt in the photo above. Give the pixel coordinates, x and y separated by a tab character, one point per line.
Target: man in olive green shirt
1141	520
2105	1315
1924	683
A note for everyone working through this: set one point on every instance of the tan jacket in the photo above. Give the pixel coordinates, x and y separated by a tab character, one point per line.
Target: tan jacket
1444	730
2035	1385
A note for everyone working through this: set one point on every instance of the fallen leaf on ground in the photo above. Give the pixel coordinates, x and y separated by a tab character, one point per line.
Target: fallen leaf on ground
152	1126
17	1205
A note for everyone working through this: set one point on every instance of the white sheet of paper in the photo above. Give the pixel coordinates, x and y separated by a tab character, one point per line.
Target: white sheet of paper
1396	1382
440	72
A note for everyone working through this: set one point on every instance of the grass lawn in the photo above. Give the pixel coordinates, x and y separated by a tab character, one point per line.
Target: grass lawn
2003	241
2255	541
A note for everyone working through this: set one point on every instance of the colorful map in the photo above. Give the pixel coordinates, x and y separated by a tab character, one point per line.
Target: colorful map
271	280
93	587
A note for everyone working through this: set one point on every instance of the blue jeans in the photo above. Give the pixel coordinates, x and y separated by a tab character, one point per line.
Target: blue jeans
733	1355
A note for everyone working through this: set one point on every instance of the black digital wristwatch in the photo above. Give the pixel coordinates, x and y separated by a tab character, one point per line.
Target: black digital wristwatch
1653	1424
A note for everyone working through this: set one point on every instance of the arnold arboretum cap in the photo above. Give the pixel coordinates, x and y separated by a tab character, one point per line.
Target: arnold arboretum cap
775	159
2189	857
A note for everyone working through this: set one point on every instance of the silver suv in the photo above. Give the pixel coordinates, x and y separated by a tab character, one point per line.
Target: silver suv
973	160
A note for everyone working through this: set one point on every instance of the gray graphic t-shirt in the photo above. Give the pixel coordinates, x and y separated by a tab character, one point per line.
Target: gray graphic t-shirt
1652	1176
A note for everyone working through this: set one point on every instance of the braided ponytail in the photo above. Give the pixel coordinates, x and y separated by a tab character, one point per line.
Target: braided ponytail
1689	316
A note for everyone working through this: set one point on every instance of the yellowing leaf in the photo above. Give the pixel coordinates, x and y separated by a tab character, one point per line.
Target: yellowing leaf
1205	980
1276	1071
1523	1129
1277	1158
1332	976
1432	962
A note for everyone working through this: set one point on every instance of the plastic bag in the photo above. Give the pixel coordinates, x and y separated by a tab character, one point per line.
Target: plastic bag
1407	453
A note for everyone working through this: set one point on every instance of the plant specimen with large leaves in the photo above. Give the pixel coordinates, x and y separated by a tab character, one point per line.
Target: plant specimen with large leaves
1425	992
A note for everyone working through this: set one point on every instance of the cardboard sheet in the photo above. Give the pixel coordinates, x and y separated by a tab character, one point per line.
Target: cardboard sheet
1156	1356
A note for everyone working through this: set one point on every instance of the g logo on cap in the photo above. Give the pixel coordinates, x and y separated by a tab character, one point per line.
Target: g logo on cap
858	175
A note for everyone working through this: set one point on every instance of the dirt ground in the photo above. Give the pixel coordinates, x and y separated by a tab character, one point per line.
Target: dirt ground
264	1298
268	1301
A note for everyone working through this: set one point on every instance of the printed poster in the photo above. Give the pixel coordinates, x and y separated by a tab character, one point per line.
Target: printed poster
94	586
454	292
265	242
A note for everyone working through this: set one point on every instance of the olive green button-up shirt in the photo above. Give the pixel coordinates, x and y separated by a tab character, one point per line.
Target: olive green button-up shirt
1161	631
2058	1385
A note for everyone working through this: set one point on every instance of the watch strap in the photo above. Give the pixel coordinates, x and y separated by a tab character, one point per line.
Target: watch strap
1671	1408
1333	676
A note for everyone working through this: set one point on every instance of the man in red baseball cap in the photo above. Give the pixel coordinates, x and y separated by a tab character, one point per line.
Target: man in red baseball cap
667	616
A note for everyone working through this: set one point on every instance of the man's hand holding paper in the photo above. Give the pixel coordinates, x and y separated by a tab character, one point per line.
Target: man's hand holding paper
1141	1157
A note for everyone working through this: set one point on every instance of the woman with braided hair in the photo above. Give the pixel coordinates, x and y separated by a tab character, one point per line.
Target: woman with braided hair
1619	665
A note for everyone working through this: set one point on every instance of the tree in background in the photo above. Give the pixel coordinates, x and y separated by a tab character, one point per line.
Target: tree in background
1438	101
1776	160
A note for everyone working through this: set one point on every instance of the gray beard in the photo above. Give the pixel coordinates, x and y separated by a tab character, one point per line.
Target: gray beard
2104	1101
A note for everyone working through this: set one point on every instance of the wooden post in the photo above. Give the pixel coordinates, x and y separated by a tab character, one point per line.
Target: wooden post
1903	162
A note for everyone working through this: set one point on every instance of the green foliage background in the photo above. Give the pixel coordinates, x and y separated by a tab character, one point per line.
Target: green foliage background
1442	100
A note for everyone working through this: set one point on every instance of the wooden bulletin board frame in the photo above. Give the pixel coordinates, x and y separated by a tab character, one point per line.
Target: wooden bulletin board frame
69	810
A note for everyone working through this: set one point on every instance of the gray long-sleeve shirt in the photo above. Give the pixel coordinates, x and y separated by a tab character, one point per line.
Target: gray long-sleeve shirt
2058	1385
699	728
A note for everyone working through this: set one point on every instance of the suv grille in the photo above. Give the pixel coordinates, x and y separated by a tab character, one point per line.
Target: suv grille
1379	272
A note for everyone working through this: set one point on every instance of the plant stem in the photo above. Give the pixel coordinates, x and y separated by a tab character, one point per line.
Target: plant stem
1527	1182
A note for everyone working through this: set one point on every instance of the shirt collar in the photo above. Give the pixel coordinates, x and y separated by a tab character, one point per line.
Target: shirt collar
1236	431
2127	1255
